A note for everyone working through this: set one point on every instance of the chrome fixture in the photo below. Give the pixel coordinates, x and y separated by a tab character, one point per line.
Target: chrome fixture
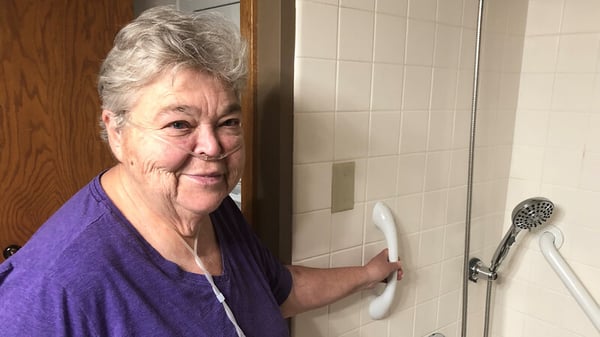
470	169
479	270
528	214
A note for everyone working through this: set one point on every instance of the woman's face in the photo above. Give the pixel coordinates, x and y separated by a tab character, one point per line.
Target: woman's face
179	121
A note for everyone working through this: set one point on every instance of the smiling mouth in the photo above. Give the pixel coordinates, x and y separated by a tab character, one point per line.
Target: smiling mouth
206	179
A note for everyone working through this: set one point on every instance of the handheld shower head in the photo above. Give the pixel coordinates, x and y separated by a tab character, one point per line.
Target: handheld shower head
527	214
532	212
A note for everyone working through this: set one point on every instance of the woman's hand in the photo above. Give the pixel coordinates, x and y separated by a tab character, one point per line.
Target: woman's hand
379	268
316	287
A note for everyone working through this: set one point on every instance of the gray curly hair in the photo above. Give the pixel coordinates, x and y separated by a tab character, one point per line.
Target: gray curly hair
164	39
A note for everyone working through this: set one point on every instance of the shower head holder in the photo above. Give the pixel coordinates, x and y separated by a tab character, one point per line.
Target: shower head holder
477	270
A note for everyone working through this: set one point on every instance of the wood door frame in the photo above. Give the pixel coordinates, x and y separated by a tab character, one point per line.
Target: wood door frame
267	101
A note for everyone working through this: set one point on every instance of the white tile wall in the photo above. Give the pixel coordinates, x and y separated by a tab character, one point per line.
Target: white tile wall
351	135
558	160
316	132
417	87
580	16
379	83
414	131
318	84
390	35
355	40
353	86
420	41
384	133
318	41
422	9
388	84
392	7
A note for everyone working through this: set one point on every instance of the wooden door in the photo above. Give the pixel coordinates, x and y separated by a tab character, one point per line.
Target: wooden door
50	53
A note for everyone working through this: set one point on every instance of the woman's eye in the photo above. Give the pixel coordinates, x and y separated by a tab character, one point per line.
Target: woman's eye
232	122
178	129
179	125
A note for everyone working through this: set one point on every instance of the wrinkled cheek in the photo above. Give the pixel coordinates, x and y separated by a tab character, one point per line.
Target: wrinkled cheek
159	161
236	168
143	168
154	176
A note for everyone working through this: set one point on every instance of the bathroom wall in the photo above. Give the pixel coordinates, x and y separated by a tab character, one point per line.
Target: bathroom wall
387	85
556	154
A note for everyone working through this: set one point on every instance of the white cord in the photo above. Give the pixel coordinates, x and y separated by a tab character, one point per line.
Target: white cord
218	294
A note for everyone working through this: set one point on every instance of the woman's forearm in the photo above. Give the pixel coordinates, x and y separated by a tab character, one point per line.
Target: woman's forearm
316	287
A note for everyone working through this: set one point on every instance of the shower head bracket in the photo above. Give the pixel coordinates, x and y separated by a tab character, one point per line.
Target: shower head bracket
477	270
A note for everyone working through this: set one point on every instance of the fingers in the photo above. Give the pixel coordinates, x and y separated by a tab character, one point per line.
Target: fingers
400	270
399	275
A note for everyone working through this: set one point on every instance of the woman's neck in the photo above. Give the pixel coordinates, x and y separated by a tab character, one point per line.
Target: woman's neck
167	233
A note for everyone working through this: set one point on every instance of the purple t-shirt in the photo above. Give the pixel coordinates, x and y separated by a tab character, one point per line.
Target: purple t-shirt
88	272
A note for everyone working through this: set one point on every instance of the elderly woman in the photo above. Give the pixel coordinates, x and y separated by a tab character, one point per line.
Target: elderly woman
154	246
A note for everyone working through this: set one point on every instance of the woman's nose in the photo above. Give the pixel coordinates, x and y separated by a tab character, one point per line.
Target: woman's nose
207	142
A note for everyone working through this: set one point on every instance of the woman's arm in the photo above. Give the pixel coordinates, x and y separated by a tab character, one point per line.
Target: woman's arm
316	287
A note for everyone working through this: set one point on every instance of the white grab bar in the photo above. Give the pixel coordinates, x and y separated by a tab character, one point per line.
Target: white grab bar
383	219
567	276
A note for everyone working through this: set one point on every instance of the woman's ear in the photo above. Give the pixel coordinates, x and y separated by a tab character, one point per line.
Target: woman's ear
114	133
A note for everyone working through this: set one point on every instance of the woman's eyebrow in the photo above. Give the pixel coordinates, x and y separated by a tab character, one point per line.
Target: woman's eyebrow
177	108
233	108
189	110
